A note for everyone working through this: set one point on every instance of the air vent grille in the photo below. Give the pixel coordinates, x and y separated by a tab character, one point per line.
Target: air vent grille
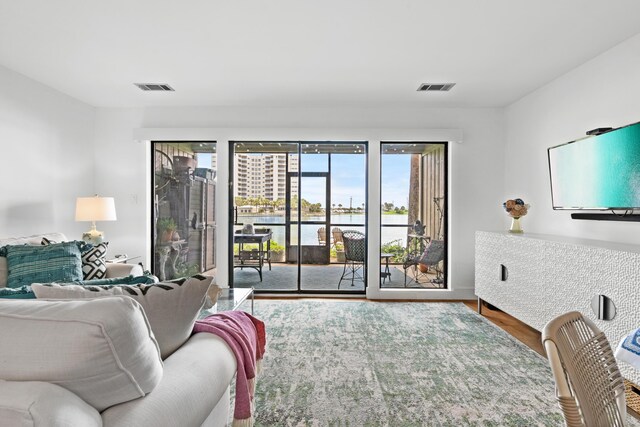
435	87
158	87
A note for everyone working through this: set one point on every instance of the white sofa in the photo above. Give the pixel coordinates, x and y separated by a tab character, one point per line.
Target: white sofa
47	344
64	361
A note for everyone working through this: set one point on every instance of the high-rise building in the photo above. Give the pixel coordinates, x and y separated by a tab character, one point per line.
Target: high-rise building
264	175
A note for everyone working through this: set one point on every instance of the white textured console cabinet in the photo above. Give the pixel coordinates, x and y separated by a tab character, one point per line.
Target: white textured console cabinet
545	276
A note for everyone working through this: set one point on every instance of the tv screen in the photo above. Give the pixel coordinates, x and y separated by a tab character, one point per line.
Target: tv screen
597	172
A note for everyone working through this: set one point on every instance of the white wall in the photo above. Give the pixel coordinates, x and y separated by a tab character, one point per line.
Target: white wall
602	92
476	164
47	157
121	170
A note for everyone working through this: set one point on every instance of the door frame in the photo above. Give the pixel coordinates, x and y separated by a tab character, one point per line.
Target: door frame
232	218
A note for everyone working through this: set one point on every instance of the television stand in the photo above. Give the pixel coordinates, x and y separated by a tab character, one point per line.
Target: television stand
550	275
606	217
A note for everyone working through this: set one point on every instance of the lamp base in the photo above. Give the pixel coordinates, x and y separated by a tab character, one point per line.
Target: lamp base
93	236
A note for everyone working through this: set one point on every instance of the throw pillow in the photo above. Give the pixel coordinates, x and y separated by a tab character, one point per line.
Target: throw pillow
93	258
29	264
145	279
46	242
3	270
23	292
93	262
171	307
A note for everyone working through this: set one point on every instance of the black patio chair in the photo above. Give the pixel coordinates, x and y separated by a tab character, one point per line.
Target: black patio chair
431	257
354	253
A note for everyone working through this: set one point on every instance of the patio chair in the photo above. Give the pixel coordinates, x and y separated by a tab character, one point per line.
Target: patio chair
336	233
431	257
322	236
354	253
589	386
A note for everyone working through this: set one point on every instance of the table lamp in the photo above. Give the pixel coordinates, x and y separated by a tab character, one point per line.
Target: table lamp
95	209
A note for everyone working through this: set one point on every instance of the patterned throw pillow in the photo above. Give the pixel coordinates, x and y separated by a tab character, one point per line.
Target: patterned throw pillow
171	307
93	262
29	264
46	242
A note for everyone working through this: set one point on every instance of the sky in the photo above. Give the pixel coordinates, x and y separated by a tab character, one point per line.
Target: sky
348	176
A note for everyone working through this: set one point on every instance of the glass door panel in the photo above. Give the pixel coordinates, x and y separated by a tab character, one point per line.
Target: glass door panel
413	211
260	258
313	231
183	237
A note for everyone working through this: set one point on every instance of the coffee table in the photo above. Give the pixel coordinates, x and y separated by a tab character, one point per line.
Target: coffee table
230	299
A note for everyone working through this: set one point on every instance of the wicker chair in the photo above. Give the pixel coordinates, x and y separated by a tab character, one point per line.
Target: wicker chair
322	236
336	233
354	253
589	387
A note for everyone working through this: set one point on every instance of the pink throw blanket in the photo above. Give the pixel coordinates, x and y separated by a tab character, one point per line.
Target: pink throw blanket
247	338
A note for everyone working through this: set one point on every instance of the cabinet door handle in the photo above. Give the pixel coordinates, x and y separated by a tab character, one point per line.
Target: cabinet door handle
504	273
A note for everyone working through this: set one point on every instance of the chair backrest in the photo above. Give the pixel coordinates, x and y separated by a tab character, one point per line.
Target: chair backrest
433	253
322	235
590	388
336	232
354	246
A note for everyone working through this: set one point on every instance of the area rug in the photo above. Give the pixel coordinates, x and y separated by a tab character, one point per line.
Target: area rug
396	364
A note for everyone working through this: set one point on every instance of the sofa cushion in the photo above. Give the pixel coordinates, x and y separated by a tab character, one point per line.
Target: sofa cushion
28	264
171	307
28	240
101	349
35	403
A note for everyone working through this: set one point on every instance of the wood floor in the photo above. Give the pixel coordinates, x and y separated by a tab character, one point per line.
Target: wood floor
522	332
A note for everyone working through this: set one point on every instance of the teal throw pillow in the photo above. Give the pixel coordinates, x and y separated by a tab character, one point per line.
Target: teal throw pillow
60	262
146	279
23	292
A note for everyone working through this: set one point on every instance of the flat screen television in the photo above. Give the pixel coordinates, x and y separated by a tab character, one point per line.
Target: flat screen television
598	172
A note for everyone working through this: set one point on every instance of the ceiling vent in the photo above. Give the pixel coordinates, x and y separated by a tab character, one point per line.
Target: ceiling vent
157	87
435	87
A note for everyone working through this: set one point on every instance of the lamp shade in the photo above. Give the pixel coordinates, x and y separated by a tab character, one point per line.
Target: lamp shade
95	209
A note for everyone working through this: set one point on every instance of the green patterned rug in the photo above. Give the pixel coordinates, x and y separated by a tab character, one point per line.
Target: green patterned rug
396	364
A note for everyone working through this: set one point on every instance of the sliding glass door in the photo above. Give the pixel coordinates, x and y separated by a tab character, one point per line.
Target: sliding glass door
292	202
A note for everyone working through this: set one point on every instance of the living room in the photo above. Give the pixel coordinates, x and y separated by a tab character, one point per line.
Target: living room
528	77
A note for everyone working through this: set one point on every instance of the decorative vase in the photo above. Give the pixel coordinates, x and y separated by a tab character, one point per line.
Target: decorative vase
515	225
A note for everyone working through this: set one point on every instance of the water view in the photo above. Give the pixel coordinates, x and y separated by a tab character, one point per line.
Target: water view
309	233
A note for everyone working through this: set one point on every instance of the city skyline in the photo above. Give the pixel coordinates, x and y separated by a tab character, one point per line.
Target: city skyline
348	178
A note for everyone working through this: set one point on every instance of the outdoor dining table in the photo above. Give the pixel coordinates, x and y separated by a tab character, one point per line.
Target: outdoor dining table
253	258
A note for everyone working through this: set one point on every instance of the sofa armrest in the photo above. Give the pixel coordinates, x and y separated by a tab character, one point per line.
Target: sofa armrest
35	403
196	377
123	270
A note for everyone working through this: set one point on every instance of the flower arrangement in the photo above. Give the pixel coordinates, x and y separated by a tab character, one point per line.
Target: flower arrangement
516	208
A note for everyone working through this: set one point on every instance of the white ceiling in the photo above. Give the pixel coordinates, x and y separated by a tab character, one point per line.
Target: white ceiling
305	53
